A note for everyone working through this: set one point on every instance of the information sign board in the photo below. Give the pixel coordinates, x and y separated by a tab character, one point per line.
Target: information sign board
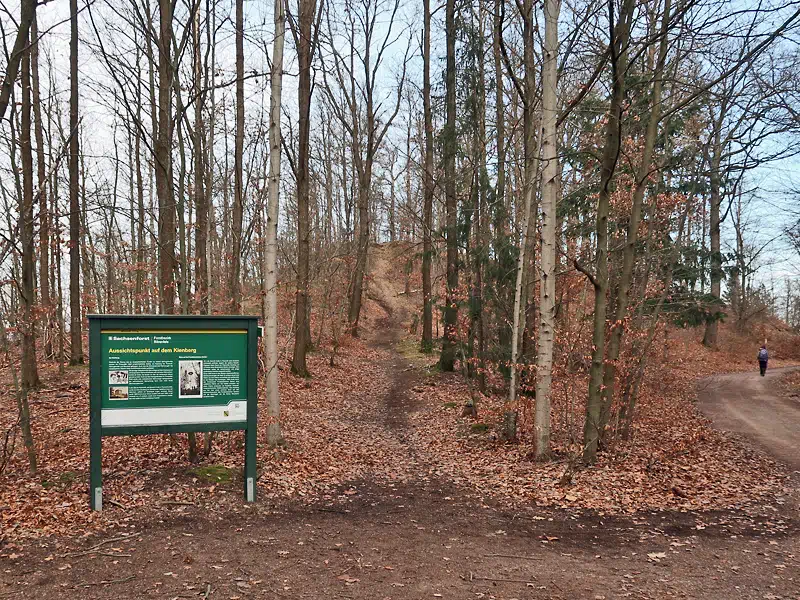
169	374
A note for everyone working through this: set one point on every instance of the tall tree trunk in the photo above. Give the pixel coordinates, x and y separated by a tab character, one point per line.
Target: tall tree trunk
211	229
427	186
224	250
44	214
361	188
502	248
76	317
364	188
629	251
550	190
531	152
449	342
327	167
712	327
481	241
271	254
618	47
184	278
305	52
392	204
153	276
30	373
130	275
109	217
163	159
55	242
200	198
139	291
56	250
202	189
89	251
238	167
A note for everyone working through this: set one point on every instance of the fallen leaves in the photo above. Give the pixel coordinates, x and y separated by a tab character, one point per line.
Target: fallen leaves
676	461
327	420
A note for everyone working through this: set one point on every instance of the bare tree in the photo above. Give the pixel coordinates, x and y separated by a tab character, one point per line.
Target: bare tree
501	222
271	254
201	192
427	189
356	76
618	50
44	211
27	291
306	41
621	297
531	152
163	159
550	191
450	146
238	193
76	317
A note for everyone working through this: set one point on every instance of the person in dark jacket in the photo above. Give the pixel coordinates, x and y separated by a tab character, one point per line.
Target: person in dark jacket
763	357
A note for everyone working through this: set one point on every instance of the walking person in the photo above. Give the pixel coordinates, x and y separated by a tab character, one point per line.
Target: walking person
763	357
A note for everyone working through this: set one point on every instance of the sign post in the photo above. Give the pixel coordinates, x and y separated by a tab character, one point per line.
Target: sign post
172	374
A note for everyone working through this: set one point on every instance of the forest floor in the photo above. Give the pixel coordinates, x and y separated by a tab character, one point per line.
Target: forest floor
405	524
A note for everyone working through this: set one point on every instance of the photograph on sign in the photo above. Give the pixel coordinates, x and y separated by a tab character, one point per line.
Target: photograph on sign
118	377
118	392
191	379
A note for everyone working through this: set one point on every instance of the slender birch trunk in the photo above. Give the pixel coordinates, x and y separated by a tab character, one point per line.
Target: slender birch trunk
270	292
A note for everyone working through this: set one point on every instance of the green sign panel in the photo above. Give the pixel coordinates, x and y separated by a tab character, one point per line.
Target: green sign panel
173	377
169	374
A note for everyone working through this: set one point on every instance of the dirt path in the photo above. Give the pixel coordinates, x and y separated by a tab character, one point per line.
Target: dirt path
419	541
744	403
